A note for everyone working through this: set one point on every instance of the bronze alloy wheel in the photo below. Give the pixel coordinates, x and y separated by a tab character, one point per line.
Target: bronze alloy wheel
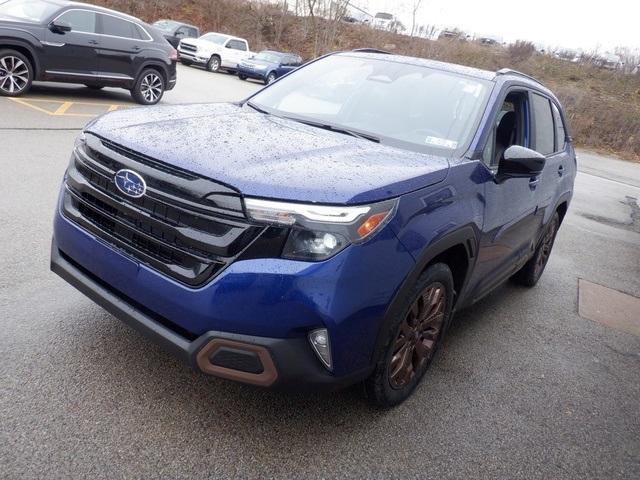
418	335
545	246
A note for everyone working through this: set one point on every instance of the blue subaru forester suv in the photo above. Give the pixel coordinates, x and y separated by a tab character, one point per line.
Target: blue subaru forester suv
323	231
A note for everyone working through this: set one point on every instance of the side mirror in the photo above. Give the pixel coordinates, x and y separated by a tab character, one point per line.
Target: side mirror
520	162
228	46
60	26
180	34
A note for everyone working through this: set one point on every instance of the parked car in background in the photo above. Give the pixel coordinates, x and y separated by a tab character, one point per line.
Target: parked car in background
60	41
175	31
215	51
325	230
268	65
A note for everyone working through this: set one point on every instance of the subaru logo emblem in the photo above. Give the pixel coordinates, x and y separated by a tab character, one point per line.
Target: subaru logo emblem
130	183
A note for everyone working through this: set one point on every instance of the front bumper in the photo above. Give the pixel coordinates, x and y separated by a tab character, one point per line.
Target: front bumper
281	362
192	57
271	303
251	73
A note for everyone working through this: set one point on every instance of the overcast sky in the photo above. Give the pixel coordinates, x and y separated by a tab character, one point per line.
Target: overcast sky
574	24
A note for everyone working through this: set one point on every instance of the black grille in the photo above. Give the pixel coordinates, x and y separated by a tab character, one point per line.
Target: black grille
188	47
186	226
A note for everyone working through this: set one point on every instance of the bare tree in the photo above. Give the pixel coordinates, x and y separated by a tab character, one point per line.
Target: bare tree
414	12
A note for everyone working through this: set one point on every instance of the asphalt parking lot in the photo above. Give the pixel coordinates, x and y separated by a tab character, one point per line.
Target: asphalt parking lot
525	386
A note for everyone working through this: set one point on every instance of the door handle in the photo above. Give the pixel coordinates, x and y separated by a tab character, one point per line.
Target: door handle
136	48
93	42
560	170
533	183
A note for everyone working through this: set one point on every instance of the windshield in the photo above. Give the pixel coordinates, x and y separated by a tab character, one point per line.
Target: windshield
268	57
409	106
30	10
166	25
214	38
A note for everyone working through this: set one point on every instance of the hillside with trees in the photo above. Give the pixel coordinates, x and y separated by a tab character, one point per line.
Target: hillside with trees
603	105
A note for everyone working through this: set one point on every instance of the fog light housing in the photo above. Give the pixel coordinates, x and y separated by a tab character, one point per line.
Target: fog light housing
319	340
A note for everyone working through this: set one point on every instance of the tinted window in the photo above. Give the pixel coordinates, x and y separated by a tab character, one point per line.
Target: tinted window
560	133
80	20
544	134
186	32
118	27
237	45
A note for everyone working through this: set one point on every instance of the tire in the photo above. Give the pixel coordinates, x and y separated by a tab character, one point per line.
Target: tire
149	87
242	77
186	62
410	345
213	65
531	272
270	78
16	73
95	87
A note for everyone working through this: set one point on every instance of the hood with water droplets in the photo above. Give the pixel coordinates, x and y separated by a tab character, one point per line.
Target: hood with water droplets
270	157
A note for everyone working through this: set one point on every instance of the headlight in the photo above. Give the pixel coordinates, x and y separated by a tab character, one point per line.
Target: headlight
81	140
320	231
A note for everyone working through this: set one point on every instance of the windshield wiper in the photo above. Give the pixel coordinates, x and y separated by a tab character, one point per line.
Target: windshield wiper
324	126
337	129
257	109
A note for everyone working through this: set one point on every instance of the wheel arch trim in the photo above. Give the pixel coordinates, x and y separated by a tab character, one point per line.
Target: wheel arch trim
18	43
465	236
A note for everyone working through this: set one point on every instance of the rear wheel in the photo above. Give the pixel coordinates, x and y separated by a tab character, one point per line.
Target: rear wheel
242	77
213	65
16	73
413	339
532	270
149	87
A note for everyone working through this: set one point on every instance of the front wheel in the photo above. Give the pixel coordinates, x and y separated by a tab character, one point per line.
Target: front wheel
16	73
532	270
213	65
413	338
270	78
242	77
149	87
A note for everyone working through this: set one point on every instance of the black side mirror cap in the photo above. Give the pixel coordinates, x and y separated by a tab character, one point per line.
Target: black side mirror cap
520	162
59	26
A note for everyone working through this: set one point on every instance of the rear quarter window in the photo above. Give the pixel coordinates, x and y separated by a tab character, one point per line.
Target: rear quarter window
117	27
544	134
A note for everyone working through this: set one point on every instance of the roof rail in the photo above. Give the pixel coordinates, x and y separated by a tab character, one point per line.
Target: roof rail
371	50
509	71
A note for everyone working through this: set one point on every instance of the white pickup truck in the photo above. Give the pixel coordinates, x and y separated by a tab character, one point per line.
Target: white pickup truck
216	51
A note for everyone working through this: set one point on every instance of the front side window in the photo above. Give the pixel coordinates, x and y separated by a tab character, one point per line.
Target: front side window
509	128
82	21
237	45
544	131
116	27
29	10
402	104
